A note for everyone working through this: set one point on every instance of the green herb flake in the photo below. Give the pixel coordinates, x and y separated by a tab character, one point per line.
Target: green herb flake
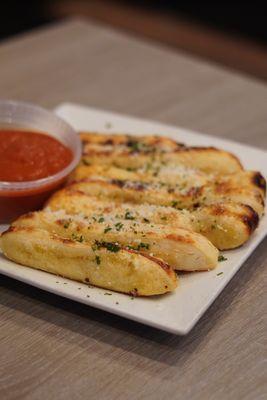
110	246
107	229
143	246
85	162
77	238
221	258
98	260
220	273
139	247
174	203
107	294
101	219
128	215
146	220
118	226
135	146
67	224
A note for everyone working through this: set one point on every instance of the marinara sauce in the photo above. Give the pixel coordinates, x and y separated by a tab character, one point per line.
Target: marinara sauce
27	156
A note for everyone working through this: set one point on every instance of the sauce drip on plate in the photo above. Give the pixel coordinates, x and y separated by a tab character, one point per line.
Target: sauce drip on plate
27	156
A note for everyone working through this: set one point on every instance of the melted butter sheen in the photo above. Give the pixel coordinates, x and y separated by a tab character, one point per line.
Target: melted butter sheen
27	156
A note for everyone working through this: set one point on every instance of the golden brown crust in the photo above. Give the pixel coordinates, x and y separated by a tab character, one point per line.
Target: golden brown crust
258	180
178	247
124	271
251	220
124	153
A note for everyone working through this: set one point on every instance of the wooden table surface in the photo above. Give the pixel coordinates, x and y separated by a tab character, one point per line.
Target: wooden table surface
51	348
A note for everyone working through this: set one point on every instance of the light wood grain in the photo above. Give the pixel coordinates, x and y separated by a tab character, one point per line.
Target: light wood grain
52	348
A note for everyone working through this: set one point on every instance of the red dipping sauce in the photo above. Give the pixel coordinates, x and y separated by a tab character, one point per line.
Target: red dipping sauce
27	156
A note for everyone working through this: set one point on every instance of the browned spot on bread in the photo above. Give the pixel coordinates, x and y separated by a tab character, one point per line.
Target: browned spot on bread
84	142
66	241
63	240
60	222
134	185
259	181
118	183
251	220
245	213
259	198
223	187
200	148
179	238
138	186
195	191
167	268
218	209
18	229
107	209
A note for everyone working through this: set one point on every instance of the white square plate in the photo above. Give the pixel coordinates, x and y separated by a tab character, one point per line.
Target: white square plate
177	312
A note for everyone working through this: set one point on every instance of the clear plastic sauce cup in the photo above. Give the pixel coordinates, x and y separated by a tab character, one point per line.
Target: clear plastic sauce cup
17	198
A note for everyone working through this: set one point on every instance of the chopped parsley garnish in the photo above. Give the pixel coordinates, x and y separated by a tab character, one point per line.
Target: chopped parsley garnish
101	219
146	220
85	162
174	203
139	247
110	246
98	260
67	224
143	246
221	258
107	294
118	226
77	238
134	145
220	273
107	229
128	215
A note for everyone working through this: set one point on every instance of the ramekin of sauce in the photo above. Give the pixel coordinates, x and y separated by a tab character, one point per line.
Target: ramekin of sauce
38	150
